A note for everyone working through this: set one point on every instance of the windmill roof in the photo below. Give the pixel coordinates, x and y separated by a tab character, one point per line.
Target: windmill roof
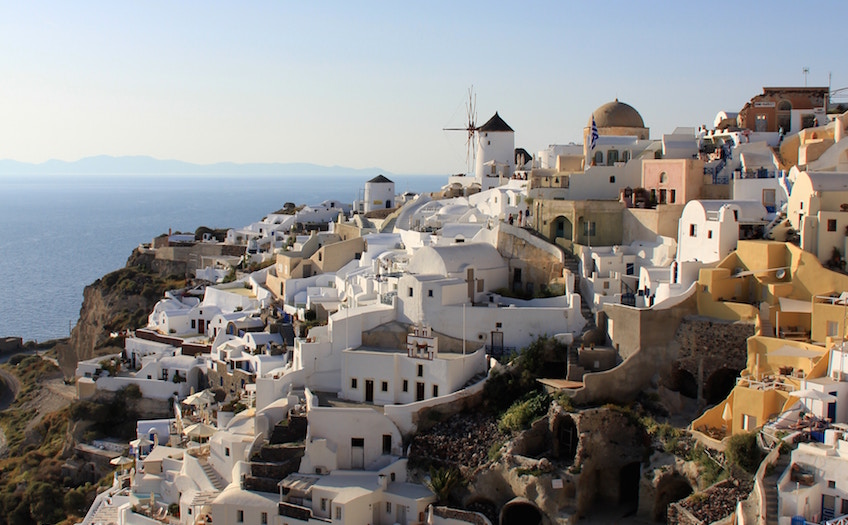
496	123
379	178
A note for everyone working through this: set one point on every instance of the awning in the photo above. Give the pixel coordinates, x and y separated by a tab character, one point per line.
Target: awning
796	306
794	351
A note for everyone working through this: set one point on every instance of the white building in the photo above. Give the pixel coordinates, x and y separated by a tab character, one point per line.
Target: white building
815	485
379	194
400	376
495	160
709	230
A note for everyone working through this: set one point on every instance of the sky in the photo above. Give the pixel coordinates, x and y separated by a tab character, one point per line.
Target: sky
372	84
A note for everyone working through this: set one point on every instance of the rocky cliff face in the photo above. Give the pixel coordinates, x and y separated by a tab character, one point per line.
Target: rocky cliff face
120	300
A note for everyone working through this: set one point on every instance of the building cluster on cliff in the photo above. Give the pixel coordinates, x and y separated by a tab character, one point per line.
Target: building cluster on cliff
336	326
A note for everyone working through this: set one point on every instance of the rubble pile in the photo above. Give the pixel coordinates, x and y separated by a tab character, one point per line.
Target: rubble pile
718	501
462	440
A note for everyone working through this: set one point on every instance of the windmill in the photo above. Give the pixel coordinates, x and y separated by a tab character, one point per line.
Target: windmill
470	129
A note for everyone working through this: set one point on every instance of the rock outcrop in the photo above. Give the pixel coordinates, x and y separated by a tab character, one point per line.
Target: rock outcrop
118	301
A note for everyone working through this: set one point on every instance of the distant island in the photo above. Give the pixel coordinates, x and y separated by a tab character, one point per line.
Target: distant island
141	165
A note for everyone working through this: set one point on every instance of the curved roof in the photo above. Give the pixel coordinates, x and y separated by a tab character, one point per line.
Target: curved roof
453	259
617	114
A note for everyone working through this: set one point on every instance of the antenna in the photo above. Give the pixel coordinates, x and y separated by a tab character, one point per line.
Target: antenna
470	129
806	72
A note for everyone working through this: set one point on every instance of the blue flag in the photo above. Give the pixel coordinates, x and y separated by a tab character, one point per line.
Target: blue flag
594	133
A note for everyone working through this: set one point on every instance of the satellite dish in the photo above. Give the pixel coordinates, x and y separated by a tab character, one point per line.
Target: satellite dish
780	274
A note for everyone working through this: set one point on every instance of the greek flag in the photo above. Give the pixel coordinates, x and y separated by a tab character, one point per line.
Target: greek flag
594	133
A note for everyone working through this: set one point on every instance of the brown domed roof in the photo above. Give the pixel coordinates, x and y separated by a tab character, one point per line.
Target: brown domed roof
617	115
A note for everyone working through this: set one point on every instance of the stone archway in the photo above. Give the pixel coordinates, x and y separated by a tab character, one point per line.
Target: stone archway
669	489
685	383
719	385
520	511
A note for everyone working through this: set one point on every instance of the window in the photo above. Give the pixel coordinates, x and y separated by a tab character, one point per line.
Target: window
392	477
599	158
387	443
264	520
709	234
612	179
435	390
673	196
384	386
748	422
630	269
353	383
410	292
693	230
429	293
388	507
338	512
405	385
239	516
193	324
420	370
663	177
606	285
227	451
831	225
612	157
831	484
498	325
324	504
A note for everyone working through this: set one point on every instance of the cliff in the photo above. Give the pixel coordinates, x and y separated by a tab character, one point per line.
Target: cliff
118	301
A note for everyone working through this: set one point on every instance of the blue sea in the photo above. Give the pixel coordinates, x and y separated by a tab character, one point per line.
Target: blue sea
61	233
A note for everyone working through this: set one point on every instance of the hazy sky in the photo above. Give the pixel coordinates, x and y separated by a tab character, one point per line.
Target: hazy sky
364	84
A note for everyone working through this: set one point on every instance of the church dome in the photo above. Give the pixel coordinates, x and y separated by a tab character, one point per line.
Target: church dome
617	115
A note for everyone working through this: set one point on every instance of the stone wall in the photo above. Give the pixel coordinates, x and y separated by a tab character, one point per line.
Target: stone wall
709	350
538	262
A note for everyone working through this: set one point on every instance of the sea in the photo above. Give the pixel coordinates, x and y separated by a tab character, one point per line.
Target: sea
59	234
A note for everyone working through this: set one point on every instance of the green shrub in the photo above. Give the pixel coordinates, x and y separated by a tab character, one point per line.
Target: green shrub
525	411
743	451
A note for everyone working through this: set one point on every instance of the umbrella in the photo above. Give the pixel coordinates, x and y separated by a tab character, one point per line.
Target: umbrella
140	442
199	430
727	414
814	395
202	398
121	461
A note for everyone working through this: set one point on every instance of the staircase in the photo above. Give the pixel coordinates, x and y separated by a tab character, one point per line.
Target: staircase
770	489
213	476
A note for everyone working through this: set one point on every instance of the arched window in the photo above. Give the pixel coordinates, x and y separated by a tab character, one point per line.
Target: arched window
663	177
599	158
784	105
612	157
625	155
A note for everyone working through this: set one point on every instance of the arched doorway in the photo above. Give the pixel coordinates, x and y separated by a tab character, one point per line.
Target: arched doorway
670	489
562	228
628	487
719	385
520	511
567	439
